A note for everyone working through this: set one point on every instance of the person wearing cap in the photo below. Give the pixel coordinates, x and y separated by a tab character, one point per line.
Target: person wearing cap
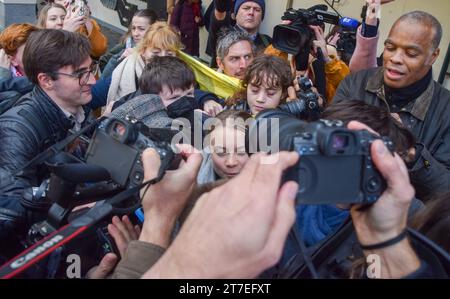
243	15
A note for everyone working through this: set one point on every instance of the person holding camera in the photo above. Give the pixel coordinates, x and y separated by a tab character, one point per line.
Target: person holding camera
405	87
207	246
365	54
78	19
42	118
162	204
245	15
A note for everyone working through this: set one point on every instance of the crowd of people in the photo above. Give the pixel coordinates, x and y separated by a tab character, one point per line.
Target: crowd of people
225	212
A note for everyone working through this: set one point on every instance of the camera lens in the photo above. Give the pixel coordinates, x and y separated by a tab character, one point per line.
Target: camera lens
373	184
293	39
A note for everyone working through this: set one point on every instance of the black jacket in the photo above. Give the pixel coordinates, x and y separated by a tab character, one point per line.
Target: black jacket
428	118
11	89
215	29
336	256
26	130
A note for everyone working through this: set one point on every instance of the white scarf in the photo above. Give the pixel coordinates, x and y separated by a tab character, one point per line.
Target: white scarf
123	77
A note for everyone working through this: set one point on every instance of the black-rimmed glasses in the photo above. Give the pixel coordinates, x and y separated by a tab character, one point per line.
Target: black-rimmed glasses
83	76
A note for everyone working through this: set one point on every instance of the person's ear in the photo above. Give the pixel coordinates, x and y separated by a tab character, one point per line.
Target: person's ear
45	81
434	56
220	63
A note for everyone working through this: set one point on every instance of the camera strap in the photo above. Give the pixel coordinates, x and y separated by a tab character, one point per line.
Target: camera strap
67	233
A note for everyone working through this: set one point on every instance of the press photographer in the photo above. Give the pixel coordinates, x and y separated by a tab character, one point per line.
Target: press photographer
302	36
62	86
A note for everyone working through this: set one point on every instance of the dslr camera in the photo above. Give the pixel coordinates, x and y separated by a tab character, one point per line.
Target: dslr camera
306	106
335	165
297	37
118	144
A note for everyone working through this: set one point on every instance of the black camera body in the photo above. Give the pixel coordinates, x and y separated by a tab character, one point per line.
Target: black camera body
335	165
297	37
306	106
118	145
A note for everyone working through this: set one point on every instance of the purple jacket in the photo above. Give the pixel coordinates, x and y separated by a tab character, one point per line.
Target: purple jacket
184	19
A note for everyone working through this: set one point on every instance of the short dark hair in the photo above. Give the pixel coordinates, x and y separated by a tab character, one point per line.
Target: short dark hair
377	118
167	70
426	19
48	50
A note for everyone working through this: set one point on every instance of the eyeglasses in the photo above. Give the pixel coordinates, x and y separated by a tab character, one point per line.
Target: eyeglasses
83	76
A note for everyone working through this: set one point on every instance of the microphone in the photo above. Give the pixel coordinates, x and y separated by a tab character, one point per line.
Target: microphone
349	23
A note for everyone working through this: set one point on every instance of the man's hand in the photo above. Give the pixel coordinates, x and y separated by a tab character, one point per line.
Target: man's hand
123	232
105	267
212	108
319	42
387	217
238	229
334	39
164	201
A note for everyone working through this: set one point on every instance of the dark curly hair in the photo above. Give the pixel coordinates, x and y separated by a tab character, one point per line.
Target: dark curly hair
269	69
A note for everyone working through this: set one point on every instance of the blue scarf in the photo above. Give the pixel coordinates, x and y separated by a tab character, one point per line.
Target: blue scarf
316	222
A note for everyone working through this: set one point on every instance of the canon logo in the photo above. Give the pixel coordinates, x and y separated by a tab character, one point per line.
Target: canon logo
35	252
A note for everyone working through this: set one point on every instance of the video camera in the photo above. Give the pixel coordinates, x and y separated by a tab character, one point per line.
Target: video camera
297	37
335	165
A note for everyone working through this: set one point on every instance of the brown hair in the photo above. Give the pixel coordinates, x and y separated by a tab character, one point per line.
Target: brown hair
149	14
48	50
380	120
434	220
166	70
275	71
230	114
15	36
43	13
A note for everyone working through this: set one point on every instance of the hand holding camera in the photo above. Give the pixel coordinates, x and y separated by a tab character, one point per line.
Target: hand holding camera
164	201
386	219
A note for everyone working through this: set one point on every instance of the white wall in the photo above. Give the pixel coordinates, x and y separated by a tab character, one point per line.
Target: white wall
108	15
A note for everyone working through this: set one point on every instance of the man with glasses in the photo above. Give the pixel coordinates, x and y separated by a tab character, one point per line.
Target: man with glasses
57	62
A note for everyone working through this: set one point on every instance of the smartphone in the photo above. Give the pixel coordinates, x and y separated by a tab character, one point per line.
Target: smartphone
79	7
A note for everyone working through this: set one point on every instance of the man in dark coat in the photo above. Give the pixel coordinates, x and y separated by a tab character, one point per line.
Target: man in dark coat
58	63
404	86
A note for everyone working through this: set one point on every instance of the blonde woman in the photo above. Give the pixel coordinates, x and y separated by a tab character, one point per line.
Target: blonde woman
160	40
